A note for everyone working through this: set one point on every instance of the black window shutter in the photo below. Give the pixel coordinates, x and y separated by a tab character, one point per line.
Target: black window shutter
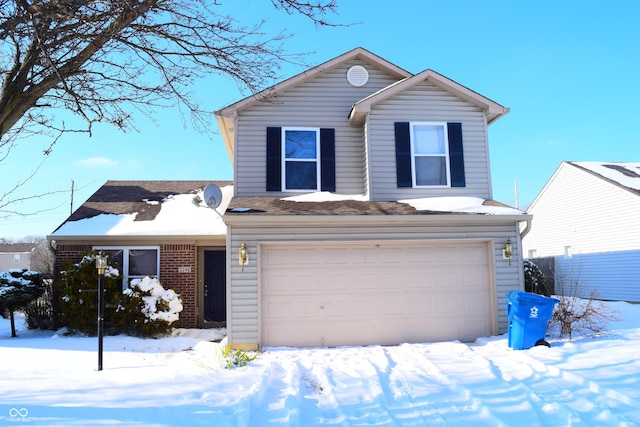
327	160
456	155
403	155
274	159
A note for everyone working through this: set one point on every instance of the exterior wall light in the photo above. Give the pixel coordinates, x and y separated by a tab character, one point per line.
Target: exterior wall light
506	252
243	255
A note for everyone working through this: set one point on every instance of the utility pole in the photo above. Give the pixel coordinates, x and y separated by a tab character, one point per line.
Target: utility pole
72	189
515	187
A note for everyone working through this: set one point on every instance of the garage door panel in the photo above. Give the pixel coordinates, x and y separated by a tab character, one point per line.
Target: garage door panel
474	253
335	256
420	305
355	294
276	257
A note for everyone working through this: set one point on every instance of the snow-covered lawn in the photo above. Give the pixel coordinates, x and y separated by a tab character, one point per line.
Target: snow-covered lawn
50	379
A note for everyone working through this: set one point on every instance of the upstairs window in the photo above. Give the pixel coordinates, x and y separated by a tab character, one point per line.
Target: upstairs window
300	159
429	154
301	147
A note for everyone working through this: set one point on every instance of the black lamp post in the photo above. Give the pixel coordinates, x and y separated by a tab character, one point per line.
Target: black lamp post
101	266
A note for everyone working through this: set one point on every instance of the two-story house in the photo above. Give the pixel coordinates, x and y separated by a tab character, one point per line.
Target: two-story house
363	202
361	212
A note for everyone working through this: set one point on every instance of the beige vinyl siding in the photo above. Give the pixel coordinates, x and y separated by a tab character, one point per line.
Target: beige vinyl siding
243	312
323	101
8	261
426	102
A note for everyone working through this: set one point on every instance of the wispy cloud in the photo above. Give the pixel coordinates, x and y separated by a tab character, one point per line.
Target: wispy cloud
97	162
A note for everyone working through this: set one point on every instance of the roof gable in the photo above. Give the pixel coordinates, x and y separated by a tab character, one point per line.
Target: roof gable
226	116
17	247
493	110
305	75
622	175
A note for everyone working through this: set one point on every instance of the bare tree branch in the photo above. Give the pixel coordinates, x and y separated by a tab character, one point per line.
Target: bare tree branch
104	59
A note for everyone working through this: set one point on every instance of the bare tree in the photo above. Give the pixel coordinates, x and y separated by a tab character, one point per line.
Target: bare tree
102	60
578	309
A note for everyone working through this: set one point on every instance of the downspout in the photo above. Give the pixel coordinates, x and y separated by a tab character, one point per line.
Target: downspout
527	228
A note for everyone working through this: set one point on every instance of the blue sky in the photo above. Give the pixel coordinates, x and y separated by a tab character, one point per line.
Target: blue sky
567	70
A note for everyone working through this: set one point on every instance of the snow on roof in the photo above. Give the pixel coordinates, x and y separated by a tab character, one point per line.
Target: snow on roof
180	214
325	196
436	204
626	174
459	204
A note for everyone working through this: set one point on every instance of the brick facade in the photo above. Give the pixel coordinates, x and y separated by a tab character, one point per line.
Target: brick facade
69	252
177	272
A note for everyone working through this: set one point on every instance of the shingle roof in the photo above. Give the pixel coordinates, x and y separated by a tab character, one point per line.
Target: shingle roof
277	206
622	174
127	197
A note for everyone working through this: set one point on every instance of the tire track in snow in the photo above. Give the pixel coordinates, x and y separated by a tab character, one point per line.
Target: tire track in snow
451	398
536	408
277	399
413	390
595	403
352	392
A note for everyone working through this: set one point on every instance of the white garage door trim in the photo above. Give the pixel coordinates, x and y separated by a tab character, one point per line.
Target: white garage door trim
358	293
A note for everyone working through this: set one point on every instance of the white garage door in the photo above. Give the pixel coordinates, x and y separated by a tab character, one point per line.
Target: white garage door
359	294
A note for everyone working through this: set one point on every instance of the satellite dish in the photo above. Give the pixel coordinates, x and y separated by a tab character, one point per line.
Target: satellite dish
212	196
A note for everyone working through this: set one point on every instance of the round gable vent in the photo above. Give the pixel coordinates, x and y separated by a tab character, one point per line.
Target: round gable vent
357	76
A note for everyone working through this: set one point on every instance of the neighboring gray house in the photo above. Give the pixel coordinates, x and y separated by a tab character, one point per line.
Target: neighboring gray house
363	203
587	218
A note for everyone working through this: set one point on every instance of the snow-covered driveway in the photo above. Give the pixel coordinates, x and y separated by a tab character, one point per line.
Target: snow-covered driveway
176	381
444	384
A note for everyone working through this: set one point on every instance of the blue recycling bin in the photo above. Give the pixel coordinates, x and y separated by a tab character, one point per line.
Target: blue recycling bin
528	317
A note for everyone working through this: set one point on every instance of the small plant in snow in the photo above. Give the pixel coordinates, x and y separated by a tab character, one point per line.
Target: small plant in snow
572	314
234	358
586	316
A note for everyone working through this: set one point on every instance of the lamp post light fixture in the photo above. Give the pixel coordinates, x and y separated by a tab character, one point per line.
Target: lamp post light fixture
101	266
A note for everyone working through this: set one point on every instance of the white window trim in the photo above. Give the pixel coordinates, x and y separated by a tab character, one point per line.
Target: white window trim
285	160
125	261
445	155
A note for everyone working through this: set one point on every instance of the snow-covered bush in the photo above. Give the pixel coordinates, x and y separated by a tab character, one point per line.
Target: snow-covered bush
535	280
77	287
145	309
18	288
149	309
